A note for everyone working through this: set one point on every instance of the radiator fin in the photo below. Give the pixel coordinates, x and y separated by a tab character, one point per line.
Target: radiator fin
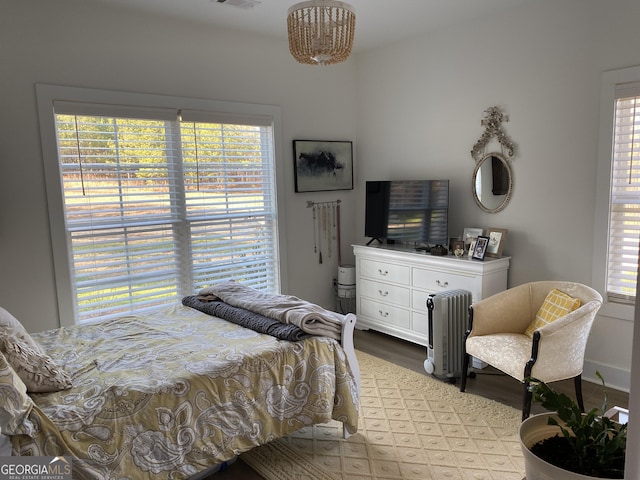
448	314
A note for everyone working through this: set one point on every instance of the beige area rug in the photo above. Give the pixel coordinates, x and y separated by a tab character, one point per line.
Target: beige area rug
411	426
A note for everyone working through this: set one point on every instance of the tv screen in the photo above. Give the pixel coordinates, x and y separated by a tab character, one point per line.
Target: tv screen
411	211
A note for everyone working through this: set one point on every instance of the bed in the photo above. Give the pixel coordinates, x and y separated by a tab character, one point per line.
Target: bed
173	394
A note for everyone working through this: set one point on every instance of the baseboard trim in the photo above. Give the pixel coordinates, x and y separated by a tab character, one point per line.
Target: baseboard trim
614	377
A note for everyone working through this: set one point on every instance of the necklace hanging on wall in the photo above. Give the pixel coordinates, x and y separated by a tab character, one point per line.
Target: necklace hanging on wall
315	233
320	234
326	227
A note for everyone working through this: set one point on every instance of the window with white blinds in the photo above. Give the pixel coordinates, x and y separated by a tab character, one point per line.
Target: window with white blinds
157	207
624	213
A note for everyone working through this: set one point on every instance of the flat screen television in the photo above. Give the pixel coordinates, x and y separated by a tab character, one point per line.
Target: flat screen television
408	211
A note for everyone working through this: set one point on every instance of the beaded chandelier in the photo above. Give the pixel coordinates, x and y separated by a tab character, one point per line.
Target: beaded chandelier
321	31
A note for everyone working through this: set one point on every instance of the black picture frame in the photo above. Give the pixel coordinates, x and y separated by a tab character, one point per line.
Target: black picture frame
480	248
322	165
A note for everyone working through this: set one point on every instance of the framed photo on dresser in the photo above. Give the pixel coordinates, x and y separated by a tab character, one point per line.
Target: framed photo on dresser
497	238
469	235
480	248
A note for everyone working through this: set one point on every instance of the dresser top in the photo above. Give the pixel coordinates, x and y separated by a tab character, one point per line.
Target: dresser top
401	252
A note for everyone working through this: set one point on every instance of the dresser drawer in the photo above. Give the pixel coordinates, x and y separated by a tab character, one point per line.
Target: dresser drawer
436	281
420	323
393	286
384	314
419	301
385	292
386	272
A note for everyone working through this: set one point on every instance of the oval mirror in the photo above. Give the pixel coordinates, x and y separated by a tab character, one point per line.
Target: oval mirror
492	182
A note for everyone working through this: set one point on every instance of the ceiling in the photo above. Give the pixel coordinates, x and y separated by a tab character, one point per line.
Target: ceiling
378	22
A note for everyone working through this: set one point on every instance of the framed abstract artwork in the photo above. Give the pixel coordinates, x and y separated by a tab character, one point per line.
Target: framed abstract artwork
322	165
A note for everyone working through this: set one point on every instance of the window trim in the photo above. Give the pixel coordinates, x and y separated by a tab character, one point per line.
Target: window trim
48	94
609	81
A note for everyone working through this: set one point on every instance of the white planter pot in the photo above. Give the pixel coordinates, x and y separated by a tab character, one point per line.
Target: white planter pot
533	430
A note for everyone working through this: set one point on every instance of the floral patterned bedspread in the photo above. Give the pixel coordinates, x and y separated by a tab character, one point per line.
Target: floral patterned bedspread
168	395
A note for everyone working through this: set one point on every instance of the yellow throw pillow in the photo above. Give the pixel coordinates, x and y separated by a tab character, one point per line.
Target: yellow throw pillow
556	305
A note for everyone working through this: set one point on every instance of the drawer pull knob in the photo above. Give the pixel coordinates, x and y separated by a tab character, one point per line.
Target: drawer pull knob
383	314
383	272
442	284
383	294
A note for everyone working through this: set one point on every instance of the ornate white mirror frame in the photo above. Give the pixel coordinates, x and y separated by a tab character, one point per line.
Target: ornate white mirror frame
492	182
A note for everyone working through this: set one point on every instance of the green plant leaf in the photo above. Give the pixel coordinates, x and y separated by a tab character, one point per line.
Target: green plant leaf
598	443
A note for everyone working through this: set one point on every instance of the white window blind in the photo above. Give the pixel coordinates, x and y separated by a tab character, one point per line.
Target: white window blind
230	202
624	214
156	209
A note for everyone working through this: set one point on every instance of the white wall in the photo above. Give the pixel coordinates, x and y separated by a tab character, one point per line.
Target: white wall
68	42
412	109
420	103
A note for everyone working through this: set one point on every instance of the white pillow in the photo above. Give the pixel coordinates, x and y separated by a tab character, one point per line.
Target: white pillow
37	370
15	404
9	325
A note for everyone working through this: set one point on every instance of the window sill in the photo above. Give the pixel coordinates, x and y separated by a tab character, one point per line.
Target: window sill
617	310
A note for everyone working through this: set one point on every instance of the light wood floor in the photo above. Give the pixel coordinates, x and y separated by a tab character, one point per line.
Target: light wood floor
488	383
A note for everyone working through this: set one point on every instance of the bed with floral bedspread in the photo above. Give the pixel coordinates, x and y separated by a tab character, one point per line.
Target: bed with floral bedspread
170	395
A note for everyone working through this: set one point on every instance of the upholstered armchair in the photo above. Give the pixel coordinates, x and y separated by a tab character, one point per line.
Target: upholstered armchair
497	335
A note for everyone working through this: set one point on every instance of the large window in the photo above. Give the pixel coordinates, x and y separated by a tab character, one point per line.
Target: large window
159	202
624	213
617	218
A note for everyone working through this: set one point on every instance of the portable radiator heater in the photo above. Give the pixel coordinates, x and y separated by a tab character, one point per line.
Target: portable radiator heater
448	314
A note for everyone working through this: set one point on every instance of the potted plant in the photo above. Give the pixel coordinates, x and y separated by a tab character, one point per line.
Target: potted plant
566	444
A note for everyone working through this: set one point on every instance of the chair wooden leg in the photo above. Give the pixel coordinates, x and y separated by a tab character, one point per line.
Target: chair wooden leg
527	395
526	401
465	370
577	381
465	355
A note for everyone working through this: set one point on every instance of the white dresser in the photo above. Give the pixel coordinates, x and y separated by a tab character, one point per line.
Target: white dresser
393	285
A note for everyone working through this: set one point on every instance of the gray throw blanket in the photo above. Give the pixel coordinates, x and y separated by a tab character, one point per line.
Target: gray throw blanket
287	309
245	318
